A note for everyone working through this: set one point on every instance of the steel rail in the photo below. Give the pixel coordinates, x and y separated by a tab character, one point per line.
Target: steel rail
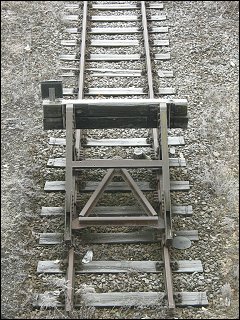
69	153
82	70
166	177
148	66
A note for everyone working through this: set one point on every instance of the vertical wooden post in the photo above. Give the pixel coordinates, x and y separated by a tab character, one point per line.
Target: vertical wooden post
165	172
70	191
69	188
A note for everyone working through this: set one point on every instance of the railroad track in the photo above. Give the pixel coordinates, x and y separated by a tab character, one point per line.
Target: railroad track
107	43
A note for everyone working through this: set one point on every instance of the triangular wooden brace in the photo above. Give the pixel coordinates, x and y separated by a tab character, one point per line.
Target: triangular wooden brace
91	203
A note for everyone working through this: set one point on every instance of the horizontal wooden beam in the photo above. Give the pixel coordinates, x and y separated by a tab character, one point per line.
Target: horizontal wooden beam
150	221
125	299
126	142
143	236
121	6
109	163
113	113
90	186
54	267
185	211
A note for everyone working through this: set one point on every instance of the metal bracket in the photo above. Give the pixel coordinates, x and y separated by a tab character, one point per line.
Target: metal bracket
52	89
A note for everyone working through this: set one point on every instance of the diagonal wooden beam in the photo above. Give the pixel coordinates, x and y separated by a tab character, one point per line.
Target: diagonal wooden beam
138	193
97	193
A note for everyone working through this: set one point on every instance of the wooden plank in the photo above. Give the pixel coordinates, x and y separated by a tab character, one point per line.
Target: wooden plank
113	30
166	90
112	122
52	211
117	210
51	238
123	299
116	6
162	56
144	186
185	266
59	186
68	74
57	141
116	186
179	185
155	6
69	91
69	57
71	6
73	30
121	6
95	72
70	18
165	74
115	163
103	122
114	43
114	91
69	69
56	186
112	110
109	163
160	43
54	267
126	142
53	123
195	299
143	236
158	30
102	107
114	18
176	141
57	163
69	43
176	106
114	74
157	18
150	221
185	211
108	57
190	234
131	142
177	162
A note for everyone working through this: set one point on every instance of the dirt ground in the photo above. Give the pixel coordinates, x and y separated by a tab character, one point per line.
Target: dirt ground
204	47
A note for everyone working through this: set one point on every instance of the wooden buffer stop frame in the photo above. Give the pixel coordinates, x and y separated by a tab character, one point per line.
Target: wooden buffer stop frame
74	115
